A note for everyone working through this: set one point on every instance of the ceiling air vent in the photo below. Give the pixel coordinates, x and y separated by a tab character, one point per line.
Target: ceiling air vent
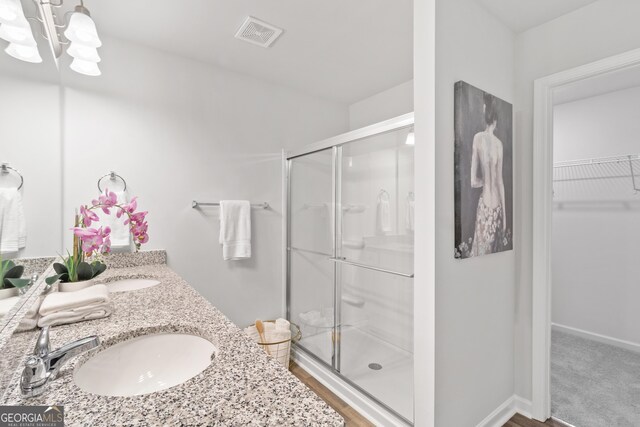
258	32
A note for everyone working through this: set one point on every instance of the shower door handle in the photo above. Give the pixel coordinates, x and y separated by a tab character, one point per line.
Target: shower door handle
343	260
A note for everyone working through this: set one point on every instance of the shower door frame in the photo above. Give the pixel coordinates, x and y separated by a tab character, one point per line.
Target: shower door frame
335	144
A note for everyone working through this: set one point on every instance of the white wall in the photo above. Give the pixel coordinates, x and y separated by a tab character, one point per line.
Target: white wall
597	31
599	126
424	303
474	297
387	104
595	250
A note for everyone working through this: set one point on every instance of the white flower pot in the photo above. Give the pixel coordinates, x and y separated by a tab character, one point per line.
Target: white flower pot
75	286
8	293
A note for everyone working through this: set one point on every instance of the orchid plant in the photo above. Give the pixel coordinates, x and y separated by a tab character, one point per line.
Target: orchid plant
10	275
90	241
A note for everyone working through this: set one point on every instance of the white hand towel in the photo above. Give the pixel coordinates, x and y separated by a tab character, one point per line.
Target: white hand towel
30	319
81	314
383	214
13	229
68	301
235	229
410	214
27	324
120	235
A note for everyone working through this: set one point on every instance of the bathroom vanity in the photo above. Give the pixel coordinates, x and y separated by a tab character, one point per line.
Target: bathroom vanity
241	386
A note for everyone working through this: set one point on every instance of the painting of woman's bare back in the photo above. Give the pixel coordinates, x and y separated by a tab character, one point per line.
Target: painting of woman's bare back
483	173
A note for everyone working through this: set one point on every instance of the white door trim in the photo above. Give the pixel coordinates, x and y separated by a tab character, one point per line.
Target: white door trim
542	214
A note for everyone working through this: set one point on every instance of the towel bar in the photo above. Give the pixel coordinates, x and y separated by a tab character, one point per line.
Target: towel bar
195	204
112	176
4	170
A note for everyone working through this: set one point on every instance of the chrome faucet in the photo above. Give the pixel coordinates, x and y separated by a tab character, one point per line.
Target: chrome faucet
44	365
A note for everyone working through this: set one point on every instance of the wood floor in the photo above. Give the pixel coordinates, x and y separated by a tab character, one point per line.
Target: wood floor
353	419
522	421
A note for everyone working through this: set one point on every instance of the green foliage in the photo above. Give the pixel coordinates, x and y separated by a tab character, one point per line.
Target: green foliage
10	275
73	270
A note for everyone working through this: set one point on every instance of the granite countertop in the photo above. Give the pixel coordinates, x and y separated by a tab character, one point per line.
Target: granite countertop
242	387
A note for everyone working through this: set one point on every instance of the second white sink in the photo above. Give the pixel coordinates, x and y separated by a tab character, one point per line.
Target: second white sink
145	365
126	285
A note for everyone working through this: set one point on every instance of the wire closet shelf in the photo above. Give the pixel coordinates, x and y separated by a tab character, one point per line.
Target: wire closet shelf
624	168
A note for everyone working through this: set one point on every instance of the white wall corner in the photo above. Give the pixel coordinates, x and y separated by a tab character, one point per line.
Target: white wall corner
504	412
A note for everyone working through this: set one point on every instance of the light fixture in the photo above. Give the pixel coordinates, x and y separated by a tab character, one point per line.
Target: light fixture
87	68
17	35
15	29
10	11
80	35
85	53
84	41
24	53
82	29
411	138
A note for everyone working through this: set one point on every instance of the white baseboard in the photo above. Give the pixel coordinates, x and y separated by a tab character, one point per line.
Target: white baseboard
504	412
627	345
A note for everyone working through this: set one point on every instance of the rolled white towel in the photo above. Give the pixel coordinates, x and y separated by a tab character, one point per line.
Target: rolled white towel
81	314
282	325
68	301
252	332
276	336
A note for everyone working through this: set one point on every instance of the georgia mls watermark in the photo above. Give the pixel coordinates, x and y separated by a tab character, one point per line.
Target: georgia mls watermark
31	416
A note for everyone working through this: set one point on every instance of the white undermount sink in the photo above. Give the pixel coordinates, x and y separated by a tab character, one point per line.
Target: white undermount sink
145	364
126	285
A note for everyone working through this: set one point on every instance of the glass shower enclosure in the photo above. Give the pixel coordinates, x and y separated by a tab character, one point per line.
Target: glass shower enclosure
350	222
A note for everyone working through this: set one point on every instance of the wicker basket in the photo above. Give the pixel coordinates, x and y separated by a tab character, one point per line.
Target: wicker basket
281	350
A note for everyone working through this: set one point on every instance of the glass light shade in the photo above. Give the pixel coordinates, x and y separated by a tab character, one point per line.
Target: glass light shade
85	53
82	30
411	138
10	11
21	35
24	53
87	68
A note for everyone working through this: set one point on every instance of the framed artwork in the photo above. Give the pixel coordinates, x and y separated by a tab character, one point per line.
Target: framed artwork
483	172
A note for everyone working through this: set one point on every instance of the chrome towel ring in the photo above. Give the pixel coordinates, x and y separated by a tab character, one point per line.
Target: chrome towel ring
5	169
112	176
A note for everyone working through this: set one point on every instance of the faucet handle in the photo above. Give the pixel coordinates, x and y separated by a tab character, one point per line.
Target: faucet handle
34	376
42	345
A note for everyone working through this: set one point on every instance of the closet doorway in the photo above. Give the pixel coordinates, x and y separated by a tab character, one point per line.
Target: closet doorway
586	326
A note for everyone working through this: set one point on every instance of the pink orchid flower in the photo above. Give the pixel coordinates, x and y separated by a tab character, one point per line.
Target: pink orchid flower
99	240
88	216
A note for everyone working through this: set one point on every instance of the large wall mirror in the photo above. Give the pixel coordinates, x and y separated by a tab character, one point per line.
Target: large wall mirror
30	173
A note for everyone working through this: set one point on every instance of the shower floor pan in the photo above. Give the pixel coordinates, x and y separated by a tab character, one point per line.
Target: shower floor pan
382	370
